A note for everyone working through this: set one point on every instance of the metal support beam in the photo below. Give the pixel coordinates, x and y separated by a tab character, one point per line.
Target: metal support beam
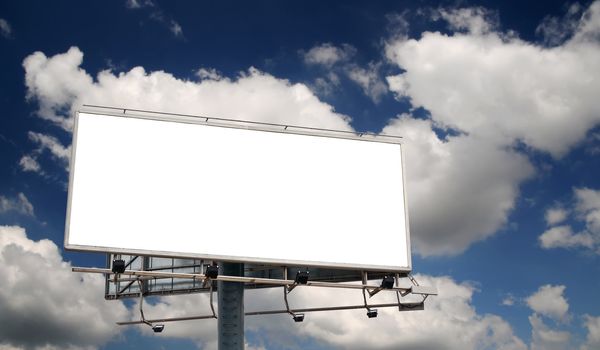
408	306
231	308
242	280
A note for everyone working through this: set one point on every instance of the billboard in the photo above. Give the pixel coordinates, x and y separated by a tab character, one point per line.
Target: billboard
175	186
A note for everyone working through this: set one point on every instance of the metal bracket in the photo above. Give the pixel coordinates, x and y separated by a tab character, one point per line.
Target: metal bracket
286	289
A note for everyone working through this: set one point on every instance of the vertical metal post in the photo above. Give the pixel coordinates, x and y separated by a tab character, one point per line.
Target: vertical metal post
231	308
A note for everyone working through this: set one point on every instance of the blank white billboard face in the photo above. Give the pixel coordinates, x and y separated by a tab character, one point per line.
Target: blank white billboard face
160	187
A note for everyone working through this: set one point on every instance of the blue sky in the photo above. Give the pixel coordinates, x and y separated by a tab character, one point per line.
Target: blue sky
497	102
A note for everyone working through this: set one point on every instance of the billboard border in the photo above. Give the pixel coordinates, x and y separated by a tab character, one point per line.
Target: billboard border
245	125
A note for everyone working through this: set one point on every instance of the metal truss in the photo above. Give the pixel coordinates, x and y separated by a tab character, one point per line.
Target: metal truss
141	276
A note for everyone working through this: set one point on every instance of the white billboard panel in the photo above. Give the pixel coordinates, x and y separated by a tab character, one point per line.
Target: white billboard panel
158	186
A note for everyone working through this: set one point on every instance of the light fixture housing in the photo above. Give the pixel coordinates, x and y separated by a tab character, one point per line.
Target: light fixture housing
212	271
118	266
387	282
298	317
301	277
372	313
158	328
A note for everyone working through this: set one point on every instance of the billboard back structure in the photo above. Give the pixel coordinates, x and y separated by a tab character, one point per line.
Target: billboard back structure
194	187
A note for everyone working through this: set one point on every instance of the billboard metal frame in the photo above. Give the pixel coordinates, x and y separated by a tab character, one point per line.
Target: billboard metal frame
248	125
288	285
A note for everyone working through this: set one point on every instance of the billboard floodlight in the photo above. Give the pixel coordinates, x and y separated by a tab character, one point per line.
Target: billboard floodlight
301	277
212	271
387	282
118	266
372	313
298	317
158	328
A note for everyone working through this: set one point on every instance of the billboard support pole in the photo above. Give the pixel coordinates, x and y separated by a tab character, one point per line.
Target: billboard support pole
231	308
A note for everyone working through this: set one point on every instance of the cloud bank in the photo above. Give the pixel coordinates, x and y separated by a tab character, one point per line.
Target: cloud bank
43	305
491	97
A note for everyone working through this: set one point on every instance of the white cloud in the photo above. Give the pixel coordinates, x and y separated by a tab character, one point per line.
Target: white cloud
19	204
175	28
5	28
546	338
501	88
588	28
588	206
369	80
55	83
136	4
328	54
587	209
556	215
509	300
495	91
593	336
326	85
475	20
58	152
460	189
45	305
253	95
156	14
556	30
563	237
202	332
30	163
337	61
449	321
208	73
50	143
549	301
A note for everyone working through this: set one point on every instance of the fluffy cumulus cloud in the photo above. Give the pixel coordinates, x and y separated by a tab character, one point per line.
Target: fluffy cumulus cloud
46	306
556	215
494	91
563	237
593	333
59	87
460	189
549	301
450	318
19	204
544	337
500	87
586	208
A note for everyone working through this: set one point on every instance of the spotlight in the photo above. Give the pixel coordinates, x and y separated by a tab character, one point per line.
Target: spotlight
387	282
372	313
158	328
118	266
301	277
212	271
298	317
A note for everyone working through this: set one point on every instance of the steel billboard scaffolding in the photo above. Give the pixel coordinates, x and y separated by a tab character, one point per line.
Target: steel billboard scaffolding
203	191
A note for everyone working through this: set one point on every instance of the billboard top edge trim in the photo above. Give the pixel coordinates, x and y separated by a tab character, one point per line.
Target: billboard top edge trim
239	124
